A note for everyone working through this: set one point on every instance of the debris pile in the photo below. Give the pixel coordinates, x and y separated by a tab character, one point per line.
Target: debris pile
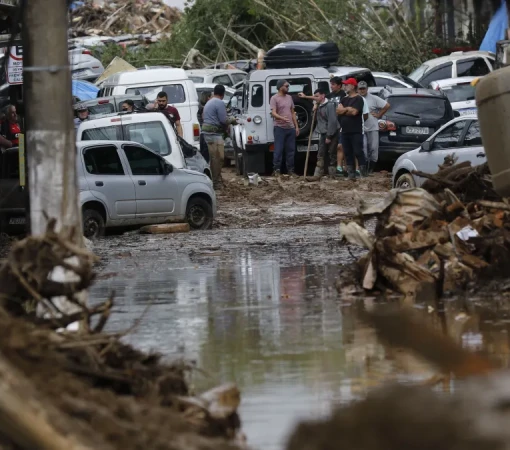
117	18
86	389
437	238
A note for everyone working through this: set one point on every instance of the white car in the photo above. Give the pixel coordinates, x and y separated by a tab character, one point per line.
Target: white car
384	79
460	92
457	64
228	77
460	137
84	66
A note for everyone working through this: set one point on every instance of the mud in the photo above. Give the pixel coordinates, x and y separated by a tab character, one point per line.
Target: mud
289	201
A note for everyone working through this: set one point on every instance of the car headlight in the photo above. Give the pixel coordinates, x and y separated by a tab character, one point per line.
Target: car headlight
257	120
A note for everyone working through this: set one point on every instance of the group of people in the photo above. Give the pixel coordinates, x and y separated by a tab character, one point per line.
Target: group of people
347	122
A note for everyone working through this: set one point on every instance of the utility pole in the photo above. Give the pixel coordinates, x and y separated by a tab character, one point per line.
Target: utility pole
50	135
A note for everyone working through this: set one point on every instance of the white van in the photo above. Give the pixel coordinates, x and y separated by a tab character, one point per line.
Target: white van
179	88
152	129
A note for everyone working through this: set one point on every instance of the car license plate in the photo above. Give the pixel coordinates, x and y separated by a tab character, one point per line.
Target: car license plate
17	221
417	130
304	148
465	112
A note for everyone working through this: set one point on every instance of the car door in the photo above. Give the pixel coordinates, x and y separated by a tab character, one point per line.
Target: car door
156	193
471	148
474	67
109	181
443	144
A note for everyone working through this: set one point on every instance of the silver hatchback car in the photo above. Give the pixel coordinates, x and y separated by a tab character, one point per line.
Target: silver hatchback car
125	183
461	136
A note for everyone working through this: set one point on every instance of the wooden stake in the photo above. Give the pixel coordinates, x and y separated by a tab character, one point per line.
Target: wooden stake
309	144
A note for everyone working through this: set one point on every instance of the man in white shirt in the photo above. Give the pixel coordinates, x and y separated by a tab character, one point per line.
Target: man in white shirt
377	107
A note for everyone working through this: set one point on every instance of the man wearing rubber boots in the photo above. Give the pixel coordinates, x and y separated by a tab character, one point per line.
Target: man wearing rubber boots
327	127
351	112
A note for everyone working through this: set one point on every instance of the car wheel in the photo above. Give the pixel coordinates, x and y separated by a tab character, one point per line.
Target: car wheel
405	181
199	214
93	224
304	112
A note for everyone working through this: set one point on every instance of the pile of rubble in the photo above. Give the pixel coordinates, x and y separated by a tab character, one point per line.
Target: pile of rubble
93	18
437	238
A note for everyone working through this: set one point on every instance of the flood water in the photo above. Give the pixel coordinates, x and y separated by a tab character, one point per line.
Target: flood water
260	308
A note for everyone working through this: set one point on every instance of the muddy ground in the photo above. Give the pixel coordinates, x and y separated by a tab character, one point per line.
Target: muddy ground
289	201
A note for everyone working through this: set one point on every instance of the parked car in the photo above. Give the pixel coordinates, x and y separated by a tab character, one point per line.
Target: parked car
228	77
179	88
359	73
246	65
85	67
460	92
394	80
455	65
13	198
126	183
460	137
414	115
253	137
113	104
152	129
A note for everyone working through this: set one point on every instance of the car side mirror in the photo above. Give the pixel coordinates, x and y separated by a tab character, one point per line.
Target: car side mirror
167	168
426	146
456	113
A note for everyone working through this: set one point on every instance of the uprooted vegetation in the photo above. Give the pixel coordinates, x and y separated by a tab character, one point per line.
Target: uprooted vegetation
437	238
86	389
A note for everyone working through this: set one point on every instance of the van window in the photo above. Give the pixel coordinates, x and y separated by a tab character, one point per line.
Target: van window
103	160
175	92
222	79
297	85
472	68
151	134
9	165
143	162
101	134
324	85
257	95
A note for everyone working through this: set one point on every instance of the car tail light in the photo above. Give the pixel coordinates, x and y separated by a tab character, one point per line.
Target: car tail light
250	139
102	102
387	125
86	52
271	148
196	131
248	119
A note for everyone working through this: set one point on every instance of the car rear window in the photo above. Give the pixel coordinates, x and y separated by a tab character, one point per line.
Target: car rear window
101	134
196	79
151	134
175	92
460	93
416	107
105	108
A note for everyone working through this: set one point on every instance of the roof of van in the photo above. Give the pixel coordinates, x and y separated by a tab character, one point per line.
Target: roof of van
81	144
344	70
146	76
119	116
262	75
205	72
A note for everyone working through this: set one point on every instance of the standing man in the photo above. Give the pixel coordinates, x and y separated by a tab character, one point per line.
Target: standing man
161	105
286	128
10	129
83	114
327	127
351	112
213	128
377	108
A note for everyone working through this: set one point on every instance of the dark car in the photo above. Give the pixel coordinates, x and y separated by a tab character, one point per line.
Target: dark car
414	115
113	104
13	198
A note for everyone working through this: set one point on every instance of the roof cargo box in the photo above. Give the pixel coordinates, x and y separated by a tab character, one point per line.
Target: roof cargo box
294	54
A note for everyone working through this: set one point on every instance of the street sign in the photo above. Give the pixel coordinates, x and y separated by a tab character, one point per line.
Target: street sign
15	65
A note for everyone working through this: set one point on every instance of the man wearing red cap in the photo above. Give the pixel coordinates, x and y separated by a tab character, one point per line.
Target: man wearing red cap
350	111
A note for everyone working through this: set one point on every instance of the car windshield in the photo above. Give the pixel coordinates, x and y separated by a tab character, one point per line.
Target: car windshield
428	108
105	108
419	72
175	92
460	93
196	79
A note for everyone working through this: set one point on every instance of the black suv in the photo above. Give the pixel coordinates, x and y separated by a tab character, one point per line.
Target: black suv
414	115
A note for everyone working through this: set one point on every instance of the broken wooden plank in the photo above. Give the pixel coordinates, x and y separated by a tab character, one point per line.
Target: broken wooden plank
166	228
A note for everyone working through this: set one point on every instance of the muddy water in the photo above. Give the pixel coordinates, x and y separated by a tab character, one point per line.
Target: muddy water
258	307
